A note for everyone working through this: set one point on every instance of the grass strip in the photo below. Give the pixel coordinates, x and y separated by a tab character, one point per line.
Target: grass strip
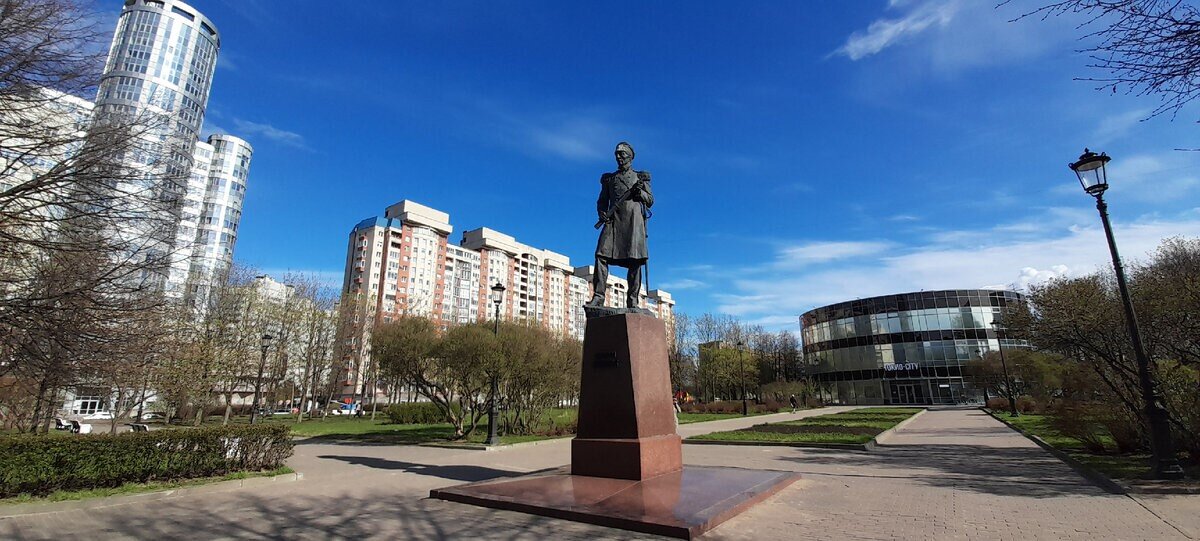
1116	466
851	427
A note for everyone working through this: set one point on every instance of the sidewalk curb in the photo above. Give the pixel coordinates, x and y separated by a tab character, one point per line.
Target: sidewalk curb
887	434
870	445
1097	478
838	446
1113	486
99	502
482	447
501	447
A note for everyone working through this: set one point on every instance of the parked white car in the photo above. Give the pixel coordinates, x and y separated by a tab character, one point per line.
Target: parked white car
99	416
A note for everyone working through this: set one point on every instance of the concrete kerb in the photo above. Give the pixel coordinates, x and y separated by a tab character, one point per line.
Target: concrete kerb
1113	486
482	447
887	434
868	446
1097	478
37	508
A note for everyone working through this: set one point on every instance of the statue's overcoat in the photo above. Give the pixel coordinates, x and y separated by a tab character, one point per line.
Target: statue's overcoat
624	236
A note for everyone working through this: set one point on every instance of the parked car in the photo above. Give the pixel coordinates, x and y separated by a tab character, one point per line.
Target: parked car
152	416
99	416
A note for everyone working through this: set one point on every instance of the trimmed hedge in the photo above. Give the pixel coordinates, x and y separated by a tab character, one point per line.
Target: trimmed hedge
31	464
416	413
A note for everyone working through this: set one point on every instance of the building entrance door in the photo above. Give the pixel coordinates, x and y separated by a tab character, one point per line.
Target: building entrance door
907	393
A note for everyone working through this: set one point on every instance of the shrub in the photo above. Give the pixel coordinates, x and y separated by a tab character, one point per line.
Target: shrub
416	413
40	464
997	404
1026	404
1076	422
1125	430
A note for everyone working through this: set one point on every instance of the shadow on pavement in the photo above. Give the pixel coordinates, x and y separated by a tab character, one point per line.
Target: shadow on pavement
355	515
454	472
1028	472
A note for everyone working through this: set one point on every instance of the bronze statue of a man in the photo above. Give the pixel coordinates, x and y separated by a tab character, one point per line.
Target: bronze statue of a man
622	206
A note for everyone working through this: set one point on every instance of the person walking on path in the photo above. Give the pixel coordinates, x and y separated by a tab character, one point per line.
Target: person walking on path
792	401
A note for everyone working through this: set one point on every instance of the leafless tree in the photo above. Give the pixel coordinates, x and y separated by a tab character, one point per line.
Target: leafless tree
1146	47
87	207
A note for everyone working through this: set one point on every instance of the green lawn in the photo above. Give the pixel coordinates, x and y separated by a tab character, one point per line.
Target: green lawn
139	488
849	427
1115	466
687	418
380	431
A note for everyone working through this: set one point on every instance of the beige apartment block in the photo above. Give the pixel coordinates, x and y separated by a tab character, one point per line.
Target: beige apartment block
403	263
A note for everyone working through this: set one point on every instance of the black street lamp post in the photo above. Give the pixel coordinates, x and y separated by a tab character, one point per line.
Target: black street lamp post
1008	382
1092	176
742	368
262	363
497	298
979	352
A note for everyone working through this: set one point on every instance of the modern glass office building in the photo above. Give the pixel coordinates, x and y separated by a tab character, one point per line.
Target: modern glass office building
904	349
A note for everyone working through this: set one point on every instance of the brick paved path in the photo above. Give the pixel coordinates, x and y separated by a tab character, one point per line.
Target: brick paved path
949	475
956	474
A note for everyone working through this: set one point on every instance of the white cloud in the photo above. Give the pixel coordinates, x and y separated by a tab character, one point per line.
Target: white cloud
270	132
822	252
682	283
997	260
1116	126
225	61
1154	178
210	128
949	35
576	134
883	33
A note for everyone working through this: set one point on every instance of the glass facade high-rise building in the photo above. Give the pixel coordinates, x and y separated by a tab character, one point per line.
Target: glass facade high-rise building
909	348
212	209
160	68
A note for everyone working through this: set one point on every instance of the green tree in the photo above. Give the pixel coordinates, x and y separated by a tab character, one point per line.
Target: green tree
538	371
450	372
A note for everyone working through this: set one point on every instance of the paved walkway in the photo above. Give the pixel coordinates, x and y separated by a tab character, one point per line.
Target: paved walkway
949	475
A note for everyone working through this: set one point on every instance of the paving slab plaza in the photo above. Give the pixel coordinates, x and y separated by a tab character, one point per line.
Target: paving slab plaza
950	474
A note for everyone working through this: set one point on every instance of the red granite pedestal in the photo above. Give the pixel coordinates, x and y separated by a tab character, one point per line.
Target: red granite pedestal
626	460
626	417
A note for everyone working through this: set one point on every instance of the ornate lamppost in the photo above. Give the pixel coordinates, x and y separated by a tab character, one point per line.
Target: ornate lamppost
262	363
742	369
497	299
1008	382
1090	168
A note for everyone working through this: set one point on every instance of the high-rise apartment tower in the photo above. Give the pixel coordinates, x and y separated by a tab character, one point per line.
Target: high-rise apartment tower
160	68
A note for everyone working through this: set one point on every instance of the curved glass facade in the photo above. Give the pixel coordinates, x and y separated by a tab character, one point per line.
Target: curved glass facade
904	349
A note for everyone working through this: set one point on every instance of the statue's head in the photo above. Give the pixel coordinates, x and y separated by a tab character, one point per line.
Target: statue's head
624	154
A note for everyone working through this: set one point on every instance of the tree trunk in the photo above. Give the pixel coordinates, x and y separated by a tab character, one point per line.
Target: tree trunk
228	409
35	422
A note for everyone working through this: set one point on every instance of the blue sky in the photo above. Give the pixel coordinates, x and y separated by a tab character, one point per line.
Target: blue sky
803	153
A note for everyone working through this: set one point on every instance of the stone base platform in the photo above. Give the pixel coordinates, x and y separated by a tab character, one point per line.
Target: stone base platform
683	504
